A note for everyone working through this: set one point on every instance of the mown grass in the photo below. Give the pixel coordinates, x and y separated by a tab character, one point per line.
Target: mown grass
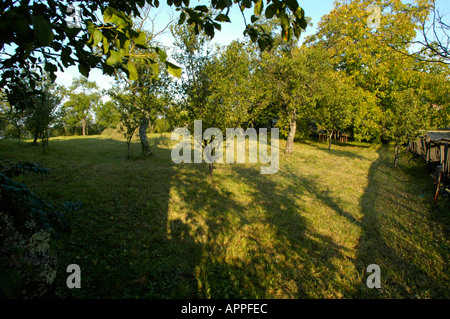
149	228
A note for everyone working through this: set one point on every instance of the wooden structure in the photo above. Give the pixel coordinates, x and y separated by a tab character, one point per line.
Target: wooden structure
434	149
337	135
343	138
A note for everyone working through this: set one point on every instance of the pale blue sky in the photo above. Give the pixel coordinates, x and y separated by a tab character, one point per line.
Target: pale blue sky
314	9
230	31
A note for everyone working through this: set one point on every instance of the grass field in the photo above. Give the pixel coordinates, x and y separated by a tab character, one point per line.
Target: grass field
149	228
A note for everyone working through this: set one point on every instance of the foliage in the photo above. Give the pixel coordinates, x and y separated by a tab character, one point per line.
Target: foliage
30	228
35	114
285	80
43	39
83	97
107	115
193	89
379	70
231	92
335	100
43	111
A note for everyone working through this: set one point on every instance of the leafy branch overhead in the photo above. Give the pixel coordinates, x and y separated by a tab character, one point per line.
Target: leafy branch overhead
121	46
36	36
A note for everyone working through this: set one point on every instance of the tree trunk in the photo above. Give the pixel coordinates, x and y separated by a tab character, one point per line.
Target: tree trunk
397	154
143	137
45	137
330	134
83	124
290	138
18	132
211	169
36	137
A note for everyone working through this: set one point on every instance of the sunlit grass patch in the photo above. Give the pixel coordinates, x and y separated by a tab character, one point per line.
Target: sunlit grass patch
150	228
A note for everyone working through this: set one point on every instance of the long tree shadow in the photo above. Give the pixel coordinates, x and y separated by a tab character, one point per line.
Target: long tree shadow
263	249
150	228
338	151
405	243
122	238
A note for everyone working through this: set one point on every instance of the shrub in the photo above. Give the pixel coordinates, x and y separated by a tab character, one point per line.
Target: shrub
29	232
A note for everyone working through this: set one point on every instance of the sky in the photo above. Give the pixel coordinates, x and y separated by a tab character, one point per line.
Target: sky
230	31
314	9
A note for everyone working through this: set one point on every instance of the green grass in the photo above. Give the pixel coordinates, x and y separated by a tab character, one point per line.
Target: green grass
149	228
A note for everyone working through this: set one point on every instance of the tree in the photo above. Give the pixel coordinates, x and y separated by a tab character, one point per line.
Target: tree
434	38
406	121
335	98
146	88
194	88
285	83
13	120
136	111
366	55
83	96
43	40
216	87
107	115
231	92
42	113
128	125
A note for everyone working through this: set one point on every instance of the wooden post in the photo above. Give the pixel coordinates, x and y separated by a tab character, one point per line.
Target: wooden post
446	159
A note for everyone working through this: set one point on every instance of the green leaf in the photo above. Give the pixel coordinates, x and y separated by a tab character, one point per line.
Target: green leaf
42	31
84	69
141	39
209	29
182	18
21	24
284	22
222	18
271	10
259	7
300	13
71	32
113	57
155	68
173	69
132	71
105	45
201	8
65	56
292	5
90	26
162	54
303	23
96	37
118	18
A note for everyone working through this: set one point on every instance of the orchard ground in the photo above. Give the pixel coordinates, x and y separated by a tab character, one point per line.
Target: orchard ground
149	228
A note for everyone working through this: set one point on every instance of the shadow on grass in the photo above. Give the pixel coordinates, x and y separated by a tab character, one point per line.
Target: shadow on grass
337	152
132	242
398	238
293	261
121	238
